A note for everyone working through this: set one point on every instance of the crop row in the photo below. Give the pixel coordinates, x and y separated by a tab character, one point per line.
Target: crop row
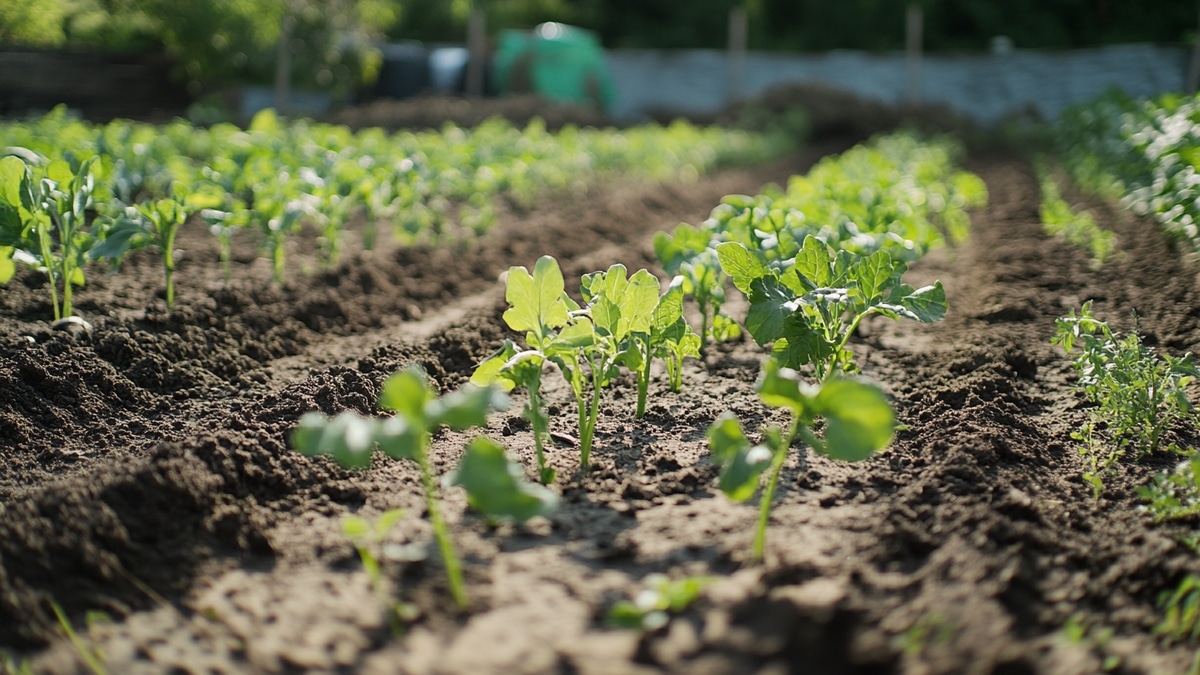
135	184
813	260
1144	152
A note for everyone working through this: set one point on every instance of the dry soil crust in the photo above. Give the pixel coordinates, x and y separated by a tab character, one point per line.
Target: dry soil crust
146	471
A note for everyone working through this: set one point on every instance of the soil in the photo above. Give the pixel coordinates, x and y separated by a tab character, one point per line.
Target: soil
147	473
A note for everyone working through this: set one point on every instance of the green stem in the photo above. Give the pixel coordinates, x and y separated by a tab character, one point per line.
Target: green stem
168	254
45	244
702	301
588	424
538	419
277	258
779	455
445	545
643	376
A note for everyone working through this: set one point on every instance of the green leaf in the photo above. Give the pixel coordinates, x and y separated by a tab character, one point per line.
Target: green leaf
400	438
465	408
814	264
927	304
535	301
858	419
7	267
741	463
60	172
406	393
872	275
771	303
496	487
742	265
669	309
802	343
14	173
348	438
781	387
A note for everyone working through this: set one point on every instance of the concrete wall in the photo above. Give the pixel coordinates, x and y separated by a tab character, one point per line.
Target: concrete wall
984	87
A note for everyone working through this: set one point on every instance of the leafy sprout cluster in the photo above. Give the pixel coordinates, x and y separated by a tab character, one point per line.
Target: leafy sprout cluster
1137	395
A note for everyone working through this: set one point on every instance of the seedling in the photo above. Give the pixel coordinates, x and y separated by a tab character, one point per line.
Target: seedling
858	422
1181	612
92	657
1175	495
539	306
1076	631
156	224
350	439
810	307
659	599
1138	395
44	222
689	253
367	537
670	338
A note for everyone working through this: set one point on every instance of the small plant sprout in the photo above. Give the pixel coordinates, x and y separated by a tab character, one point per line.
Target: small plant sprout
350	439
659	599
539	307
1138	395
858	422
92	657
1175	495
367	537
670	338
45	222
156	224
688	252
810	307
1181	612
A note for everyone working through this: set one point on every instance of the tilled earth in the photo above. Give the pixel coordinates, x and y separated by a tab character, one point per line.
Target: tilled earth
146	472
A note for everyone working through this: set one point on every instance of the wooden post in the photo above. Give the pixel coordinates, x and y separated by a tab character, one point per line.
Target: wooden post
1193	73
477	50
738	30
914	24
283	64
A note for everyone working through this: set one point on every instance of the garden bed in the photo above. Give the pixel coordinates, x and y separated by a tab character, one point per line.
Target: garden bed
147	472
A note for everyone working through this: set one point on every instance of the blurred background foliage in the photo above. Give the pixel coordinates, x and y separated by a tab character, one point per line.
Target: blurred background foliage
221	42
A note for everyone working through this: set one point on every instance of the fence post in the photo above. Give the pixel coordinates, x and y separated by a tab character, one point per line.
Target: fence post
737	53
914	25
283	64
476	49
1193	73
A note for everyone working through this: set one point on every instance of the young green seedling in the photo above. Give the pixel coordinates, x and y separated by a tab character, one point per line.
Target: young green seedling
858	422
669	337
1175	494
653	606
367	537
350	439
811	306
540	307
688	252
1138	395
622	311
156	224
45	222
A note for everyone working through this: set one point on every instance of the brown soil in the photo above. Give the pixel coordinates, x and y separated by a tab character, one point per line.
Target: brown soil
146	470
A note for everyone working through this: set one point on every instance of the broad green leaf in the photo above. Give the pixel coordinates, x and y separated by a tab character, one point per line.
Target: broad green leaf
400	438
7	267
927	304
576	336
741	463
13	173
465	408
669	309
407	393
872	275
535	301
496	487
858	419
347	438
814	263
742	265
60	172
781	387
639	302
802	343
770	305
